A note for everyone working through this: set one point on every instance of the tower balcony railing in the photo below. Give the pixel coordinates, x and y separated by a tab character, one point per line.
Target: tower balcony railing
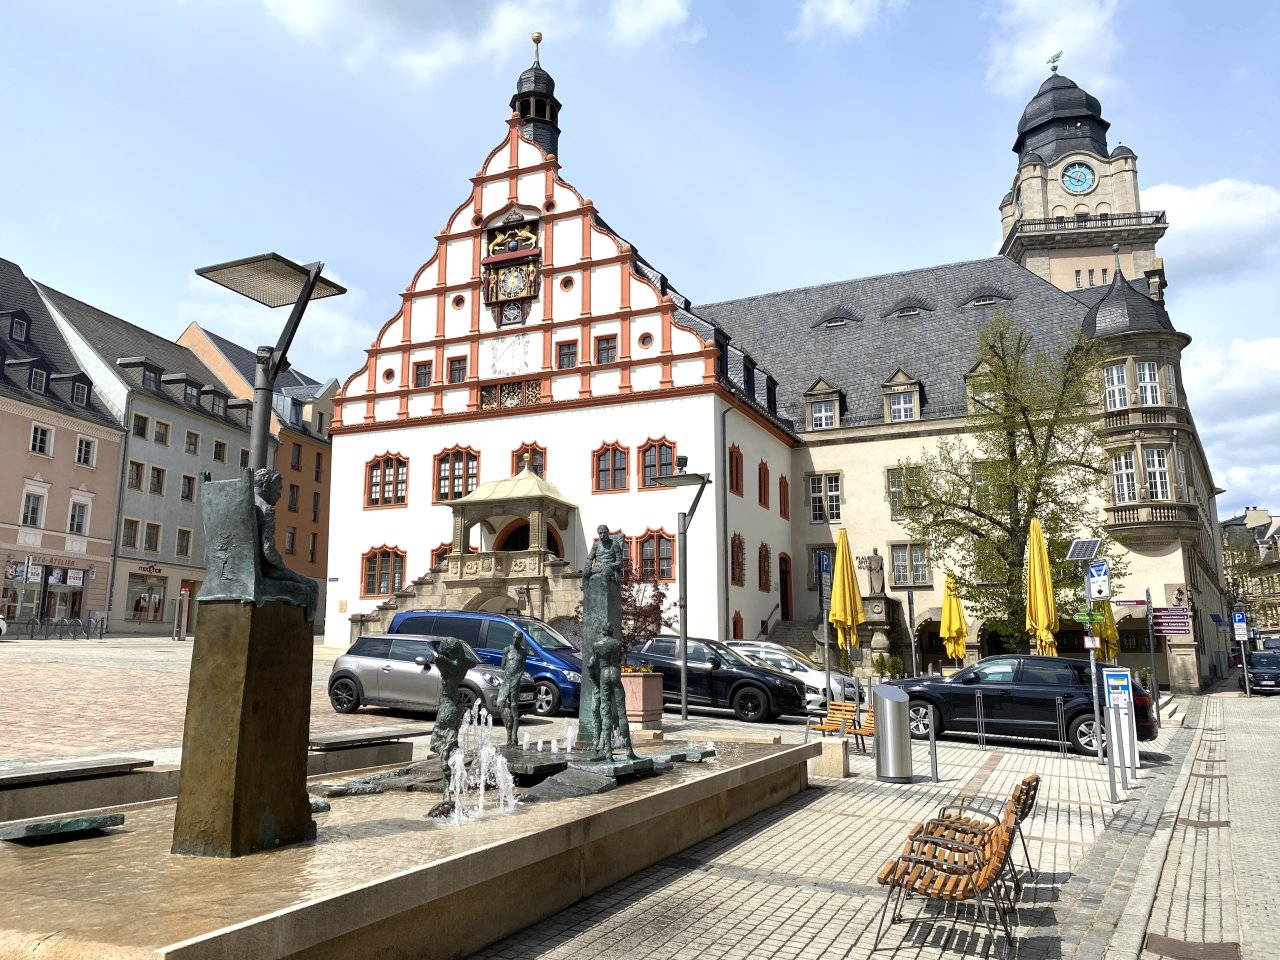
1152	511
1145	417
1092	221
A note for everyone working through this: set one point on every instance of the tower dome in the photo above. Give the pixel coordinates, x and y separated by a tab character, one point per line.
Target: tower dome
537	105
1059	119
1124	309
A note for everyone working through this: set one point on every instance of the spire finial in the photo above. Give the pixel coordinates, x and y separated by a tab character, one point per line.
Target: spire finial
1115	250
537	39
1053	62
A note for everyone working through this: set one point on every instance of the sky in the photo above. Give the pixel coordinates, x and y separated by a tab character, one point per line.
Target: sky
740	146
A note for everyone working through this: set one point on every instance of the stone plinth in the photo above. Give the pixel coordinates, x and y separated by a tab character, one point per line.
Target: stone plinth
244	745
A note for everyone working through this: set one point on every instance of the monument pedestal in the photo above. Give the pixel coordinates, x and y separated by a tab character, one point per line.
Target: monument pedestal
244	745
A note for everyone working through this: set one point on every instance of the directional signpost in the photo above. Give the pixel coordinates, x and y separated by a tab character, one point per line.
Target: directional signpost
1171	621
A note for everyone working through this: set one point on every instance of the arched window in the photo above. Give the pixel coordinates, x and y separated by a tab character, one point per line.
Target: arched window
610	468
737	625
537	459
735	470
737	560
657	553
657	459
439	553
383	571
457	473
784	498
766	568
762	479
386	481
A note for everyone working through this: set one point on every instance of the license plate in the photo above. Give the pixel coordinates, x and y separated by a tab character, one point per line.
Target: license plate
525	697
1267	683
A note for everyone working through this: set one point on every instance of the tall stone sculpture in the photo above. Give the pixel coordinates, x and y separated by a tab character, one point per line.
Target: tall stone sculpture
513	660
453	659
601	608
244	745
604	666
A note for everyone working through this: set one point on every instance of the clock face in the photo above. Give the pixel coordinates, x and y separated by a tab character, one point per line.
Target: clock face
512	282
511	313
1078	178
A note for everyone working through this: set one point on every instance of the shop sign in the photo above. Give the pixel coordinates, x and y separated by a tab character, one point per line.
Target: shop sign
150	568
75	578
35	573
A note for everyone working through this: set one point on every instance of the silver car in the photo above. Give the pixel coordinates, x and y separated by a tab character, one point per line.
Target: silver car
792	661
390	670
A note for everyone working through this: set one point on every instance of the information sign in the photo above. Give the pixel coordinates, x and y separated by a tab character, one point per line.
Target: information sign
1099	580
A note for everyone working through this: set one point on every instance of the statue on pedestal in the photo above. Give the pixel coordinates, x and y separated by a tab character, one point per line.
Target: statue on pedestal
604	665
513	660
875	573
601	609
453	659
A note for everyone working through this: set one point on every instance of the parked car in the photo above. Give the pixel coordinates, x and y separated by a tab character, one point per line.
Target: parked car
792	661
385	670
554	664
1019	699
1264	672
1271	643
721	677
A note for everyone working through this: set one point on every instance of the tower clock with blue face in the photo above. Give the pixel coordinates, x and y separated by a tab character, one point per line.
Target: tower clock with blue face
1078	178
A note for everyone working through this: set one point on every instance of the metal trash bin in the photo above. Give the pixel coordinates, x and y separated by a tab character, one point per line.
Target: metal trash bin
893	734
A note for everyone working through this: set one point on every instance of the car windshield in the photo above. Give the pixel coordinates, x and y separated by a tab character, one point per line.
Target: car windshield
546	636
1264	661
727	654
805	661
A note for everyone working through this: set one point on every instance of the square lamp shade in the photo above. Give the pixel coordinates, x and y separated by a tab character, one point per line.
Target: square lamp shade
270	279
682	480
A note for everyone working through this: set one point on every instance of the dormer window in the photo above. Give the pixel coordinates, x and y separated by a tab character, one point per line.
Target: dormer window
150	380
823	414
902	396
908	312
191	394
80	394
836	322
219	405
902	406
749	376
823	405
18	330
38	380
984	301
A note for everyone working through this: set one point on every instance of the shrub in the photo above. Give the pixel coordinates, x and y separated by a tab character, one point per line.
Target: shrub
896	668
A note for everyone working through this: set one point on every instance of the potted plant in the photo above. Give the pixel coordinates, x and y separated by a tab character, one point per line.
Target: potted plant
896	668
880	666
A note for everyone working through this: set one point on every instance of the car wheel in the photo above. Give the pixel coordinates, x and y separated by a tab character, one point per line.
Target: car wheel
919	716
751	704
546	702
345	695
467	697
1083	736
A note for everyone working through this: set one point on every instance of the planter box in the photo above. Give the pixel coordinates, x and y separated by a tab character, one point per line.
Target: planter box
643	693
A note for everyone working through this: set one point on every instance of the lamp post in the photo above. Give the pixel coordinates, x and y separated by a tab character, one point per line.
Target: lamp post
273	281
682	479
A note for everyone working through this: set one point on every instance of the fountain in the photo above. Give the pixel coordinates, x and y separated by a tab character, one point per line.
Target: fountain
475	767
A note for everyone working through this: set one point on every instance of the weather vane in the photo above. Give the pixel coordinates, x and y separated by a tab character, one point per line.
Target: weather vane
1053	62
537	39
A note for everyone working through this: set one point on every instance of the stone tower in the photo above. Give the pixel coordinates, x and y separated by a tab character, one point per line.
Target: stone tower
1072	197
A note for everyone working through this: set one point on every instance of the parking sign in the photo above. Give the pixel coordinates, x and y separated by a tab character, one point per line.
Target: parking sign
1099	580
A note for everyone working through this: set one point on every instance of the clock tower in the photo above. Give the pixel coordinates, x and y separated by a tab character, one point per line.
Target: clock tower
1073	198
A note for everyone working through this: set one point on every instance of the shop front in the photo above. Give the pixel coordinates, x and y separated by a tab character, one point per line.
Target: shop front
146	596
49	589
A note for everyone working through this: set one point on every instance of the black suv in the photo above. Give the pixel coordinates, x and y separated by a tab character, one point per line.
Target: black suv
721	677
1019	699
1264	672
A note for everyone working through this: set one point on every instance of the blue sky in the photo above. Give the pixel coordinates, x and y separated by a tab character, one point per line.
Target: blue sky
741	146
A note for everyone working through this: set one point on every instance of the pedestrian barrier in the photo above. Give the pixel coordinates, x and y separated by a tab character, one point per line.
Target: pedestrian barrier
95	623
62	624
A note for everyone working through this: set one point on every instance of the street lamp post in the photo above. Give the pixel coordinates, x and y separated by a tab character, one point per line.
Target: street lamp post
273	281
682	479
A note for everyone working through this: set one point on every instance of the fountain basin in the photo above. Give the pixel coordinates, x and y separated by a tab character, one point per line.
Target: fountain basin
380	880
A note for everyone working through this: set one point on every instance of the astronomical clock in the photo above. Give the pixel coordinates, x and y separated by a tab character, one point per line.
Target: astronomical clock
512	269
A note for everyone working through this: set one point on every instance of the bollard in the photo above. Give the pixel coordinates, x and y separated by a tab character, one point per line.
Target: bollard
982	726
1062	725
933	746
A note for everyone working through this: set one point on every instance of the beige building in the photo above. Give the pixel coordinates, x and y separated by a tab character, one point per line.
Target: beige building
58	492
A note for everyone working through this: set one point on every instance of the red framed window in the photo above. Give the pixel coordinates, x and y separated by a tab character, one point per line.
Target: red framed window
439	553
762	481
606	349
657	555
537	459
386	481
737	560
784	498
766	568
383	569
735	470
457	473
422	374
737	625
657	459
566	355
610	468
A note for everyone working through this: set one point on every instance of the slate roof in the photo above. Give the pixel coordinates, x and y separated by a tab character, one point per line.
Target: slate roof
113	338
245	362
1124	309
43	342
1061	118
935	345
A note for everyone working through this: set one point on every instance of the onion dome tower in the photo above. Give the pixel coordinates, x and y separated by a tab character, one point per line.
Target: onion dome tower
1060	119
535	102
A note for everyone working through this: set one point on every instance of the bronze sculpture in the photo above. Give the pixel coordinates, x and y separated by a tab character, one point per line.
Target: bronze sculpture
453	659
604	664
513	660
601	610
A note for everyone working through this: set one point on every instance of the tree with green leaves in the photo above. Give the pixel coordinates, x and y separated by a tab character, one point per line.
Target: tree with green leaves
1031	448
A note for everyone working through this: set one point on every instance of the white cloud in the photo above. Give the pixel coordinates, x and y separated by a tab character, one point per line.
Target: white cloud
635	23
1231	389
1219	229
848	18
1026	33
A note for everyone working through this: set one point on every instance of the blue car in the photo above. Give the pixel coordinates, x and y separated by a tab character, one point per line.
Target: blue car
552	661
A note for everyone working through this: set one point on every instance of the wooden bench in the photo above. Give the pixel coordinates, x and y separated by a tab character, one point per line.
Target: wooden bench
962	821
28	773
344	741
842	719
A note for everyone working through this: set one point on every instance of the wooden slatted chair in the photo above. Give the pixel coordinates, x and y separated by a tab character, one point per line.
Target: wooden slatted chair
965	818
841	715
953	871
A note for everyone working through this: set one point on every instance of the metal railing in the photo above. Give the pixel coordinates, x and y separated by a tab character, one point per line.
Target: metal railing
768	621
1083	222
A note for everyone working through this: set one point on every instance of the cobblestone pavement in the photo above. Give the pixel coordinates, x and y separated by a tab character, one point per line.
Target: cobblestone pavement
1218	888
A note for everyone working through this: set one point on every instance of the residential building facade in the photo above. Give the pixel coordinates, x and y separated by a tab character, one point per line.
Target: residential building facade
58	493
181	425
302	412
